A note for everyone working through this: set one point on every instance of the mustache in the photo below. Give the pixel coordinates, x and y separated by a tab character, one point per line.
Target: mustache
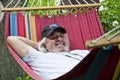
60	43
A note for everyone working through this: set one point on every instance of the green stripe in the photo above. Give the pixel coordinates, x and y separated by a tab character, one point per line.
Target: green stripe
117	71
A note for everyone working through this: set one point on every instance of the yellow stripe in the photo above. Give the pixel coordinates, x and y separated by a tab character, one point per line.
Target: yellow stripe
33	28
26	27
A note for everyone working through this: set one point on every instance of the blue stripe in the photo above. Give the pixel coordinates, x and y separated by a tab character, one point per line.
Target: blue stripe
29	33
13	24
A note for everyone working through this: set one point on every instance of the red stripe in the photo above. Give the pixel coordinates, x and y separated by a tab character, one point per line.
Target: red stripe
21	25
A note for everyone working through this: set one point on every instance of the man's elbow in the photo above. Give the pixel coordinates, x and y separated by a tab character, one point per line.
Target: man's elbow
11	39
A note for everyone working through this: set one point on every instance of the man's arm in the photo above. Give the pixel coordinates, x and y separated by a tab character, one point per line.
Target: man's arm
21	45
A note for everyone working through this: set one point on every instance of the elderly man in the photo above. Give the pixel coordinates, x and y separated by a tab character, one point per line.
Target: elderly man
51	57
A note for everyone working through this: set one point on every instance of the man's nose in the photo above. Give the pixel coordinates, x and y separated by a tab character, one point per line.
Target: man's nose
60	38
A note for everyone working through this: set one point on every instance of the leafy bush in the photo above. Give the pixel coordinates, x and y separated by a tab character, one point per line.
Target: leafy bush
27	77
109	13
38	3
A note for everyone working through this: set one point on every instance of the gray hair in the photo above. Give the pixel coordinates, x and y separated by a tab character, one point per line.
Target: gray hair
41	45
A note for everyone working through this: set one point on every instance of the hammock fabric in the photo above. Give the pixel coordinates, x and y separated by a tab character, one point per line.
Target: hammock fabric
84	26
97	58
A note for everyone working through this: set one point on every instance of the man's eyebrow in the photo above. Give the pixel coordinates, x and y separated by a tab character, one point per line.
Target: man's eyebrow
52	34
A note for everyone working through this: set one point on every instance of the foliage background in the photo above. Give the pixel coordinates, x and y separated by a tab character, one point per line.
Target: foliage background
110	12
33	3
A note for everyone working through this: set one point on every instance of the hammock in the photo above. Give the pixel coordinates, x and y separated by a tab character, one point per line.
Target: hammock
79	28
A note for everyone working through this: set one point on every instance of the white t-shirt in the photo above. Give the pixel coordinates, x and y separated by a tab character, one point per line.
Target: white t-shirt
53	65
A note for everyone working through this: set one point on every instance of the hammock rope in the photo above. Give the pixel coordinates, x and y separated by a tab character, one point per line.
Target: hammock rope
69	5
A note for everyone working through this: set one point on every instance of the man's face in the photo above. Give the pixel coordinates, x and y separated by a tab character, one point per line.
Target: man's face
57	42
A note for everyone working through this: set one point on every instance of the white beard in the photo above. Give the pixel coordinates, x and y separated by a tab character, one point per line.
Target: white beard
56	49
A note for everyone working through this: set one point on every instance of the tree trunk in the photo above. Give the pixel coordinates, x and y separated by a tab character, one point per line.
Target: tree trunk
9	68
